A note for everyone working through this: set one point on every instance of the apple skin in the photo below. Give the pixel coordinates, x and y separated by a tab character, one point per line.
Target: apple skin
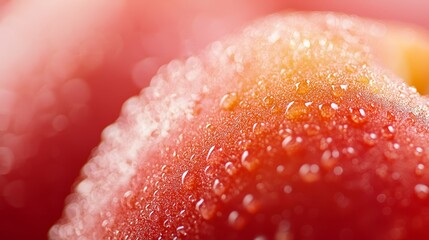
291	129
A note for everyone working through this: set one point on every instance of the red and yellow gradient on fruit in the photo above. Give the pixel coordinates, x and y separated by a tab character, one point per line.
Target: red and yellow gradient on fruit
293	129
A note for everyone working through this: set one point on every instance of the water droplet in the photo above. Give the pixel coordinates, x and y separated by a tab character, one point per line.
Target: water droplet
105	223
230	168
303	87
127	199
209	171
210	152
411	119
181	230
287	189
191	198
188	180
280	169
363	79
421	191
258	128
349	151
311	129
153	216
418	152
251	204
370	139
268	101
390	116
420	169
206	209
236	221
229	101
381	198
184	174
295	110
391	152
166	223
388	131
309	173
357	115
285	133
328	111
249	162
338	170
210	127
306	43
182	212
324	143
283	231
291	144
329	158
339	90
218	187
396	176
381	171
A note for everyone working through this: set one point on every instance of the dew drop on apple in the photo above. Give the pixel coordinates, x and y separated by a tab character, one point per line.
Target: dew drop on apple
218	187
251	204
236	220
280	169
268	101
229	101
230	168
391	151
388	131
309	173
292	144
328	111
338	171
418	152
166	223
363	79
349	151
287	189
188	180
181	230
370	139
329	158
182	212
258	128
206	209
127	199
184	174
104	223
357	115
296	110
249	162
153	216
420	169
210	152
339	90
283	231
303	87
311	129
421	191
209	171
324	143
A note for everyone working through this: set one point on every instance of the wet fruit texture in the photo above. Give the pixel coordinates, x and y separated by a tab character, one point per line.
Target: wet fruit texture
292	129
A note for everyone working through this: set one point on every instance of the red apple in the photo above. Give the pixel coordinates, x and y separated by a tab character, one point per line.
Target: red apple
293	129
